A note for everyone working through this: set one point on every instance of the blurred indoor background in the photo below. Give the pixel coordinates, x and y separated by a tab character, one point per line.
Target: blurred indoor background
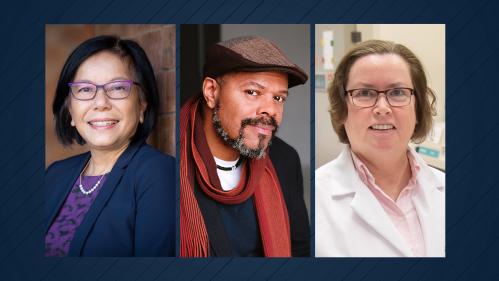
332	41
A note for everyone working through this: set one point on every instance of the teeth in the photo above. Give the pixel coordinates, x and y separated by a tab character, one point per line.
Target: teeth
102	123
382	127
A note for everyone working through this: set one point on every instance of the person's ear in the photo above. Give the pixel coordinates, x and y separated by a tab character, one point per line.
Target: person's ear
143	107
211	90
67	103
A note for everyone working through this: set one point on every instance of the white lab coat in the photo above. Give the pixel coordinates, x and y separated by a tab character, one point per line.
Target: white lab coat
350	222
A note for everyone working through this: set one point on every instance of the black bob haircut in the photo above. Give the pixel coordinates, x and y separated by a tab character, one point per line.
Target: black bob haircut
142	71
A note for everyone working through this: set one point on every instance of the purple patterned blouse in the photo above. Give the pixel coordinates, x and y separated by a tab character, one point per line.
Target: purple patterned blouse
70	216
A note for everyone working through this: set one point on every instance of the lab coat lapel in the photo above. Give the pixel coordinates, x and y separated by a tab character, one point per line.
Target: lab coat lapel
100	202
367	207
426	204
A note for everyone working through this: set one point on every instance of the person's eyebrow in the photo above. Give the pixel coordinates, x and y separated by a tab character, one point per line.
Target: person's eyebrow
261	87
371	86
398	84
283	92
255	84
120	78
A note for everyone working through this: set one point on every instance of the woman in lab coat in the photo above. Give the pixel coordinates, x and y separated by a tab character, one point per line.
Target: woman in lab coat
379	198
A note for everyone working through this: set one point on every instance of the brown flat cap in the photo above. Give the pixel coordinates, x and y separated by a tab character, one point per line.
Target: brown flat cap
250	54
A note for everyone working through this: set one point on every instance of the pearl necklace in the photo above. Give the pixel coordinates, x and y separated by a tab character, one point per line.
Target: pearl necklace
87	192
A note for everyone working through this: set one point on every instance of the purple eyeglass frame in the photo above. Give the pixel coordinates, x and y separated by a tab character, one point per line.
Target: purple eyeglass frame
131	82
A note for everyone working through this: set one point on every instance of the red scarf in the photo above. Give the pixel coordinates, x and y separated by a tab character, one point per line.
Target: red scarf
258	179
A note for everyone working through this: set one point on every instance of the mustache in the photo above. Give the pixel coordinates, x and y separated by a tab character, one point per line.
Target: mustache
268	121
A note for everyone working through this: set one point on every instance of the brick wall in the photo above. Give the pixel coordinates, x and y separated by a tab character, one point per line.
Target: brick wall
158	41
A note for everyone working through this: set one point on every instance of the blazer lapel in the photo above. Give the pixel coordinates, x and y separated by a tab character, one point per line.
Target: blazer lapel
100	202
67	183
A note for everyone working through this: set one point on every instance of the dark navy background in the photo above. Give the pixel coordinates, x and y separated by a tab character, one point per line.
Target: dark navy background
472	93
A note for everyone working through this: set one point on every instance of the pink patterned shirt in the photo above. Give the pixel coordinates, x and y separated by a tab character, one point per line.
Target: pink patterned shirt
401	211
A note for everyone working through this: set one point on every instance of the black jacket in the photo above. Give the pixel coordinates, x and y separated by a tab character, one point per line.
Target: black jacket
288	168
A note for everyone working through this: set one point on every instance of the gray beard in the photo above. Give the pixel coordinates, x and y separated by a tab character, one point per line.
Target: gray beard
238	143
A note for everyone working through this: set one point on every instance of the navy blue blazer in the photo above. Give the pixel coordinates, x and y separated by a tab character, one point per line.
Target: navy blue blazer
133	214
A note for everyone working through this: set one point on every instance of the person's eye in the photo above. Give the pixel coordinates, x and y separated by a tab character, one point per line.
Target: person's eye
252	92
118	88
365	93
396	92
85	90
280	99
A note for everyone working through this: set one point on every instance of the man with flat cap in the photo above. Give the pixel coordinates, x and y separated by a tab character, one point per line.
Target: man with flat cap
240	195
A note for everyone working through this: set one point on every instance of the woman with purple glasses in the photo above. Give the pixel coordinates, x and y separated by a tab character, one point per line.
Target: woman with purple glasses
118	199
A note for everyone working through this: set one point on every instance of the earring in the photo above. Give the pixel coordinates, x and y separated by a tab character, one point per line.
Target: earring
73	123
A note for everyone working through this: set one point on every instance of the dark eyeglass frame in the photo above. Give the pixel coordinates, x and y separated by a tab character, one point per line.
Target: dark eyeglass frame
102	86
349	92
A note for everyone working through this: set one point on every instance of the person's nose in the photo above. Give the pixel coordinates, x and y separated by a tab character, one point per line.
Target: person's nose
382	106
101	100
268	106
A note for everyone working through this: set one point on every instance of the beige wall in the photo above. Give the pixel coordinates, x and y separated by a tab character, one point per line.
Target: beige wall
158	41
427	41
